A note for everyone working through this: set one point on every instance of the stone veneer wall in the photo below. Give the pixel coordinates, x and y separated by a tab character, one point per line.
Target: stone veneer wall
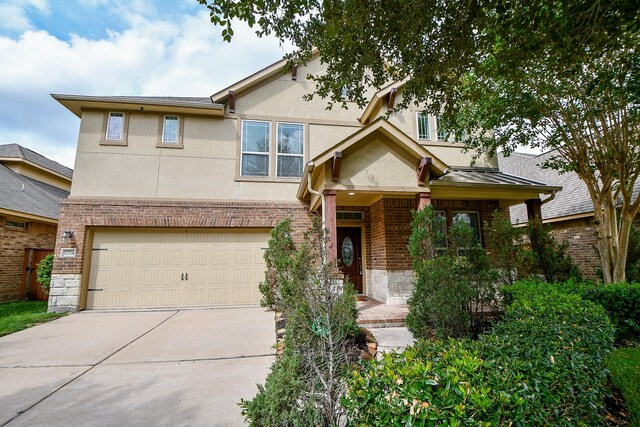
389	274
12	245
80	215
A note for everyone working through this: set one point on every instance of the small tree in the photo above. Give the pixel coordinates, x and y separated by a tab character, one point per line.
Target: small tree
506	247
43	274
306	384
551	256
454	286
278	258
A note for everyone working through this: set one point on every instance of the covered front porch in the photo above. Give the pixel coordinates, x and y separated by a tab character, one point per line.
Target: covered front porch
367	186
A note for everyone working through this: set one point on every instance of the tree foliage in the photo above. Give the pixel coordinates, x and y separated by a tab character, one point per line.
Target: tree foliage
554	74
43	273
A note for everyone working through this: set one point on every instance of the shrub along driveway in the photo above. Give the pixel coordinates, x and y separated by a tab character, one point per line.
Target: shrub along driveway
187	367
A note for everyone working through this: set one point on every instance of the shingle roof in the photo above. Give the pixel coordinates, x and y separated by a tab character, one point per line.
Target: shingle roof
16	151
574	198
23	194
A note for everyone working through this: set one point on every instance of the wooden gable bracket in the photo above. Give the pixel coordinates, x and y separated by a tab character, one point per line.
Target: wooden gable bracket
232	101
422	171
294	72
392	99
335	166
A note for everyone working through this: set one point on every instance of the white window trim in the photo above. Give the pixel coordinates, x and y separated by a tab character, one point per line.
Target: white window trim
288	154
418	114
261	153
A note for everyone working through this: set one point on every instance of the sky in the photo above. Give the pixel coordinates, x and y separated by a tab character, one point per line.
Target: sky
110	47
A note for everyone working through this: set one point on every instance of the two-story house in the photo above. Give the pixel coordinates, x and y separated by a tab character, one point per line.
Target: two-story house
173	198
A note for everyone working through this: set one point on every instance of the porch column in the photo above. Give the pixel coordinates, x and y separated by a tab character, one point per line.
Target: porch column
330	223
424	200
534	209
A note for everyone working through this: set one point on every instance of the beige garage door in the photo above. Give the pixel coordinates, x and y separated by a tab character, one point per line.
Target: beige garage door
147	269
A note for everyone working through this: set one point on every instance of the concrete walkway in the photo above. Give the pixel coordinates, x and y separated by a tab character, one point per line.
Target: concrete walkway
158	368
392	339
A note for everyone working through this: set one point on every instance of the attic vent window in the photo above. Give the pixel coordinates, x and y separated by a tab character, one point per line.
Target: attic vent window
349	215
16	224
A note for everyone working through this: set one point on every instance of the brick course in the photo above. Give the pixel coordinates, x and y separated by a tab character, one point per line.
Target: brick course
79	214
13	242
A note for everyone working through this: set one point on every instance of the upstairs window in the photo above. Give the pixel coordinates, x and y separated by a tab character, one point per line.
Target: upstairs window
170	129
442	135
255	148
115	127
424	131
290	150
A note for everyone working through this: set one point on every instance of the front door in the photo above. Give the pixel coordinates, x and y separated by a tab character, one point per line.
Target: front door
350	255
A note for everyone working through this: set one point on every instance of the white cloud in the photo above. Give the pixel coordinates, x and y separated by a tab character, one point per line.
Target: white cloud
181	57
13	13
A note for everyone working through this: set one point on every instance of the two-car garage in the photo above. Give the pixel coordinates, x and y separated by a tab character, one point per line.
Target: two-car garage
147	269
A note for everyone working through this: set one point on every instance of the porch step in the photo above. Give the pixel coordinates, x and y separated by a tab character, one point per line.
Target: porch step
374	314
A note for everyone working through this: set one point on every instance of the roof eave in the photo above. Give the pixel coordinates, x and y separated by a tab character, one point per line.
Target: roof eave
76	103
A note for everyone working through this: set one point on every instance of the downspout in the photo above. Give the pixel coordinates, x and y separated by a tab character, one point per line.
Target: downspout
317	193
550	198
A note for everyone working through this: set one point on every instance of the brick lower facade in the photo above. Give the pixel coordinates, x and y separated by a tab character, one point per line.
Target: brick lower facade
80	215
13	243
386	228
580	234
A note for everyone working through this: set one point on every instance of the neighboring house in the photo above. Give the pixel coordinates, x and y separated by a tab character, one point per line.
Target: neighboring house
569	213
31	189
173	198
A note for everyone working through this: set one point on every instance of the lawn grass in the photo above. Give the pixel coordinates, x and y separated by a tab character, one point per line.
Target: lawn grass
18	315
624	364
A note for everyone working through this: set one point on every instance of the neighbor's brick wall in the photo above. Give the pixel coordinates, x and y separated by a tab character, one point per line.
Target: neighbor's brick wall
12	245
79	214
581	236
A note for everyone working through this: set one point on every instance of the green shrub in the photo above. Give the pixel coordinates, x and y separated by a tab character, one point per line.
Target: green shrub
506	248
278	259
43	273
454	287
551	256
621	301
306	384
542	365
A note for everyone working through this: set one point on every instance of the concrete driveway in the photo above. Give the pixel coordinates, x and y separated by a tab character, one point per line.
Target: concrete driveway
162	368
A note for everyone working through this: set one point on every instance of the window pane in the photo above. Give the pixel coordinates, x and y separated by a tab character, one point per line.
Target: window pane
255	165
423	126
290	138
115	127
442	135
290	166
441	232
170	129
255	136
469	218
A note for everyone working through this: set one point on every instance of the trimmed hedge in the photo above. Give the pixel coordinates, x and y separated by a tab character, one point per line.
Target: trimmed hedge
620	300
542	365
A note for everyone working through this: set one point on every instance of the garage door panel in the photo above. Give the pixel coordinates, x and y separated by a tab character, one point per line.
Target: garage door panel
145	269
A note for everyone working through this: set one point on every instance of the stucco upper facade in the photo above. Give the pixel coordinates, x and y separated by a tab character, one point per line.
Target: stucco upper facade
167	190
